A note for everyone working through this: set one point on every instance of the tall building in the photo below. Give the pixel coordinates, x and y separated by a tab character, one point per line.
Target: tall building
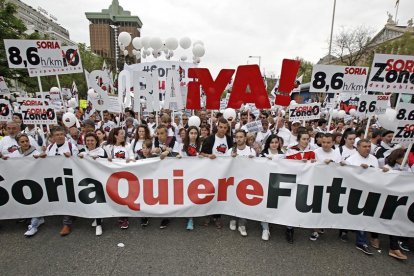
104	29
42	22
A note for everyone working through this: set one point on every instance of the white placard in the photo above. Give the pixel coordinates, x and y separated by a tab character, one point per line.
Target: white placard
113	105
369	105
39	115
392	73
338	79
305	112
5	111
3	86
254	126
72	64
33	53
404	134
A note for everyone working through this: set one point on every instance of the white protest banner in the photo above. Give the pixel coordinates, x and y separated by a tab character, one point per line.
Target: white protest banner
254	126
3	86
5	111
338	79
72	64
114	105
286	192
393	73
33	53
404	128
39	115
23	101
369	105
305	112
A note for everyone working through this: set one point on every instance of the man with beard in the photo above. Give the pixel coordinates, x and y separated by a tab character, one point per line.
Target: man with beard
9	144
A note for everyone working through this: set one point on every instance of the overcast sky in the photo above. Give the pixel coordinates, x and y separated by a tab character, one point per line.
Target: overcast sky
233	30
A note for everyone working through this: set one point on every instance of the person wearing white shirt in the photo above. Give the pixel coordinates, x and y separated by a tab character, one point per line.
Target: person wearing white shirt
261	136
107	125
281	131
346	147
9	144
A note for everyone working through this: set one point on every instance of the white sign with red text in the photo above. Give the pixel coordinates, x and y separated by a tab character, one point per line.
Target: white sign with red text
305	112
369	105
338	79
392	73
38	114
5	111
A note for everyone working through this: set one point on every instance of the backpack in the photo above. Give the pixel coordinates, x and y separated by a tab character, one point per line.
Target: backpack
69	144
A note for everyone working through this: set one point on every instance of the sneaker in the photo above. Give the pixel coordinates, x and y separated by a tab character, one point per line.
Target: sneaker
375	243
123	223
94	223
289	236
31	231
403	246
314	236
164	223
233	225
344	237
265	235
242	230
321	231
65	230
144	222
397	254
190	224
364	248
98	230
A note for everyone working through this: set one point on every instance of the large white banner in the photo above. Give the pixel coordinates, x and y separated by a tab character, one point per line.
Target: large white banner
286	192
392	73
33	53
337	79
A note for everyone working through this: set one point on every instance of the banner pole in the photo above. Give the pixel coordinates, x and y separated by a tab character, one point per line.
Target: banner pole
60	94
43	98
406	155
367	128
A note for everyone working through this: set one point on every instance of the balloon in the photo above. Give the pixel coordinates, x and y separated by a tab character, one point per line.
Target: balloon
72	103
91	92
341	114
229	112
69	119
185	42
196	60
194	121
183	58
125	52
124	38
352	111
171	43
137	43
145	41
198	50
198	42
293	102
54	89
334	113
156	43
388	119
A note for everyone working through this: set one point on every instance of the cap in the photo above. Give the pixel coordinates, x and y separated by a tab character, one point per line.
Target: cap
296	122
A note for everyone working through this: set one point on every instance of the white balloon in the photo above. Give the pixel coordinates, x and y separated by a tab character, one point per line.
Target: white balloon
194	121
196	60
156	43
388	119
91	92
69	119
293	102
229	112
125	52
185	42
334	113
198	50
137	43
199	42
171	43
341	114
54	89
352	111
124	38
145	41
72	103
183	58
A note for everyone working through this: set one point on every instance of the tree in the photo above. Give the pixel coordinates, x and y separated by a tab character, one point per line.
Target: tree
305	69
350	45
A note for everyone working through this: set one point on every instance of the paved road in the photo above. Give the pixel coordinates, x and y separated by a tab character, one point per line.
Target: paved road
175	251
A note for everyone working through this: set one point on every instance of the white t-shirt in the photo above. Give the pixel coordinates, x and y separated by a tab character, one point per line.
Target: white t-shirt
262	136
247	151
55	150
17	154
220	147
8	145
285	134
98	152
346	152
357	160
138	147
322	155
119	152
108	126
276	156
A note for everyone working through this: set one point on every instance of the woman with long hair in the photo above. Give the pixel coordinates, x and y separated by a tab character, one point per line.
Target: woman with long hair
100	133
142	133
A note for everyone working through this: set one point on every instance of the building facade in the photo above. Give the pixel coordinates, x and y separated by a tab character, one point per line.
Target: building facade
104	29
42	22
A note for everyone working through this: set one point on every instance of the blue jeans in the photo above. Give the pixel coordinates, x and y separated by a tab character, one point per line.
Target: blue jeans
361	238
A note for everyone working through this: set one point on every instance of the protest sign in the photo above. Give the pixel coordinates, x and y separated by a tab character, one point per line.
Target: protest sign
39	115
285	192
305	112
5	111
254	126
392	73
369	105
33	53
338	79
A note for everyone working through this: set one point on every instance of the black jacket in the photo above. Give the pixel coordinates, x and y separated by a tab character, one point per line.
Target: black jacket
208	143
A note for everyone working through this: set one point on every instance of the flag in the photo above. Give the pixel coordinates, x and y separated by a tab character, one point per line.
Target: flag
104	66
87	79
274	90
298	82
74	92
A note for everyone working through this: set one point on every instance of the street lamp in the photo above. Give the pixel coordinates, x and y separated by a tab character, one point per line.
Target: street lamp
259	57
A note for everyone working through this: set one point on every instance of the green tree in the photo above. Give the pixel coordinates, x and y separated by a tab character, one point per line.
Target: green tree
305	69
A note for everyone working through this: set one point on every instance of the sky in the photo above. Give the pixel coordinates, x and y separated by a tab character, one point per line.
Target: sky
233	30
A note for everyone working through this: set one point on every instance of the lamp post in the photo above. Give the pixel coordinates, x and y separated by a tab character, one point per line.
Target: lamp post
259	57
116	45
330	39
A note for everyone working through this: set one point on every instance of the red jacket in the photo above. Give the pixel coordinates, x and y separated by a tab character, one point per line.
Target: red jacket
296	153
